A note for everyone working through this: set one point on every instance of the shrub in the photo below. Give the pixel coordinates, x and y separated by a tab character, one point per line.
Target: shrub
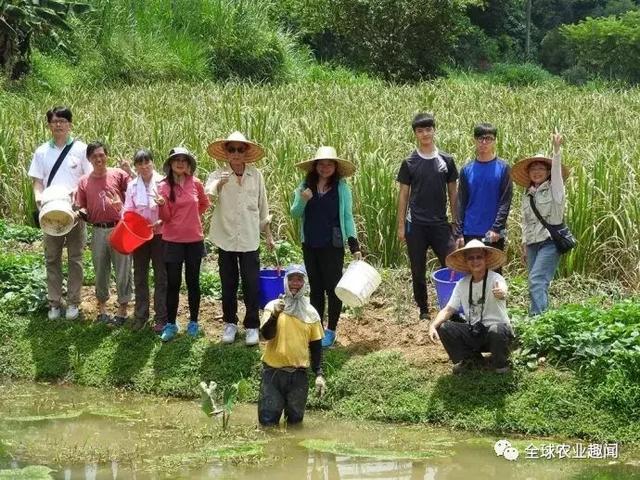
576	75
608	46
519	75
398	39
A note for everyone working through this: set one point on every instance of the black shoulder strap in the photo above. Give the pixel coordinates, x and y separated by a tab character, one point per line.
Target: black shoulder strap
56	165
537	213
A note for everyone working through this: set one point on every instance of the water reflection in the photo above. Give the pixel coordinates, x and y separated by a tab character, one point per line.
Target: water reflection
323	466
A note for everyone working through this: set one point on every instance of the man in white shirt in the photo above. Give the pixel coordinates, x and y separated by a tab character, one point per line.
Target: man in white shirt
67	175
481	295
240	214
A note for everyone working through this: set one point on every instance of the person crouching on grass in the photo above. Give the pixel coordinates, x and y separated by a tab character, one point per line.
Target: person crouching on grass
182	201
139	198
293	332
482	296
99	198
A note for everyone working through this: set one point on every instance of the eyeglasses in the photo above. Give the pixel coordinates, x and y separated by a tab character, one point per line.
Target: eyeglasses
236	149
59	121
471	258
486	139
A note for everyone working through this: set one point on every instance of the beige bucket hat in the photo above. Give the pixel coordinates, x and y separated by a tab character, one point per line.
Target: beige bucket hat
177	152
520	170
345	167
495	257
218	149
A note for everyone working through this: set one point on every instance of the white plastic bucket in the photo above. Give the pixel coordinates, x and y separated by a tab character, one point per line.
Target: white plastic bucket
357	284
56	214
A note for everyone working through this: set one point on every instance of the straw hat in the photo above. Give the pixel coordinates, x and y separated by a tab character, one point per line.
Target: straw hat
520	170
495	258
176	152
345	167
218	148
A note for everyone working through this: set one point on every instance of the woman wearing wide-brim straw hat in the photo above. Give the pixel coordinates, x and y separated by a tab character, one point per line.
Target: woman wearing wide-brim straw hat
240	213
543	178
323	203
481	295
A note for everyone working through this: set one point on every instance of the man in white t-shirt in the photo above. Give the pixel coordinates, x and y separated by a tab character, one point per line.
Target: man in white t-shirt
481	295
41	171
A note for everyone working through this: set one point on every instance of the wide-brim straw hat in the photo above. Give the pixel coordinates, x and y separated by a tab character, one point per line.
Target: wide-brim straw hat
495	258
520	170
176	152
218	148
345	167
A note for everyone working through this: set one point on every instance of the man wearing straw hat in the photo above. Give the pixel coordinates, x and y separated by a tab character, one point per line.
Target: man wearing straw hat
239	216
61	162
427	178
481	295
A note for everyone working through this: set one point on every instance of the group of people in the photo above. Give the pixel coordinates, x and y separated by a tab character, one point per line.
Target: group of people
174	201
475	318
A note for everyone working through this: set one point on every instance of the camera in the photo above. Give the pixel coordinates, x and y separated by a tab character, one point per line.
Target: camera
477	329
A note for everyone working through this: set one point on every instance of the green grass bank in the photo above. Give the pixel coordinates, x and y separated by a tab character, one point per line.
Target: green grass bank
377	386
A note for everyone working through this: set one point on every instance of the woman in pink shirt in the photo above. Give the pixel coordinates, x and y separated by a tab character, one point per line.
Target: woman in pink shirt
182	201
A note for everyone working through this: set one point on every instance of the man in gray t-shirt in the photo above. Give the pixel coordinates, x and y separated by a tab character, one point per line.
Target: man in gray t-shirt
427	178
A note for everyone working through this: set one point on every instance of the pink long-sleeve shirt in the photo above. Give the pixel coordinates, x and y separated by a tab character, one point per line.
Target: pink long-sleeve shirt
181	219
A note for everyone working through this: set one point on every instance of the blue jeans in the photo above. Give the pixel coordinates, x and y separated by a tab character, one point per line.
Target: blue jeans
542	260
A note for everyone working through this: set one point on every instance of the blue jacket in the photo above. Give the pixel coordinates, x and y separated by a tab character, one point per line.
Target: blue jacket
345	206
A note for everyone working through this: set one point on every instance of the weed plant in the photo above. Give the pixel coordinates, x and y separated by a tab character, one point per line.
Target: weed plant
601	345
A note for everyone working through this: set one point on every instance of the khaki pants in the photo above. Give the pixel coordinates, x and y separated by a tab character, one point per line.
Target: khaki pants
103	257
75	241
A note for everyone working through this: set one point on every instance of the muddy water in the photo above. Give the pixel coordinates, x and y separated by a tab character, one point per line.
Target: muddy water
84	433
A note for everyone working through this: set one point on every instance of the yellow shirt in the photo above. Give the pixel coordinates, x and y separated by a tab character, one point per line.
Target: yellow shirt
290	346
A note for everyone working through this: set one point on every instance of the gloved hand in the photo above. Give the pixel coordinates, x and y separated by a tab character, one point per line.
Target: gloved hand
321	386
279	305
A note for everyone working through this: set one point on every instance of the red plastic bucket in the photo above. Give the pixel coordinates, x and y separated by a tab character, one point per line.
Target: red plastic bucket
130	232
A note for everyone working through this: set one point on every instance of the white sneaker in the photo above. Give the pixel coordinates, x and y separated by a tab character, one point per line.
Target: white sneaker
72	312
229	332
54	313
252	336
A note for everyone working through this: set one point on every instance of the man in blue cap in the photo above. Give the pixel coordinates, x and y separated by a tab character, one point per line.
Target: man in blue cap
293	332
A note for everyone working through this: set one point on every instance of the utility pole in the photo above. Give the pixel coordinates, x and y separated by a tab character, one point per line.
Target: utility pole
527	41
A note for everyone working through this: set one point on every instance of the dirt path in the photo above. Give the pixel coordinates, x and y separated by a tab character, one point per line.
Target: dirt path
379	326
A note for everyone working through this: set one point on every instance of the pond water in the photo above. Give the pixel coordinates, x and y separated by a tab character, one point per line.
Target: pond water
85	433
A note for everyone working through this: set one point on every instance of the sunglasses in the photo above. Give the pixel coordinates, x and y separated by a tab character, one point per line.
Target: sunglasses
471	258
236	149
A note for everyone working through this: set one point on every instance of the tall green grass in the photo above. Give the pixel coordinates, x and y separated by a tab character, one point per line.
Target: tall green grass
368	122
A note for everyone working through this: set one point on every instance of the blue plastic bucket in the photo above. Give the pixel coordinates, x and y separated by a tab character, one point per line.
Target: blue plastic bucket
271	285
445	280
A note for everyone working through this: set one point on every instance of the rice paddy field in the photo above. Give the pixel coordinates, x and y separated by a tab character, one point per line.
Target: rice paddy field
369	123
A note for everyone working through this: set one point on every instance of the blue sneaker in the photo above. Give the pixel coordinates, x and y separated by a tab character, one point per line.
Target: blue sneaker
329	338
170	330
193	329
